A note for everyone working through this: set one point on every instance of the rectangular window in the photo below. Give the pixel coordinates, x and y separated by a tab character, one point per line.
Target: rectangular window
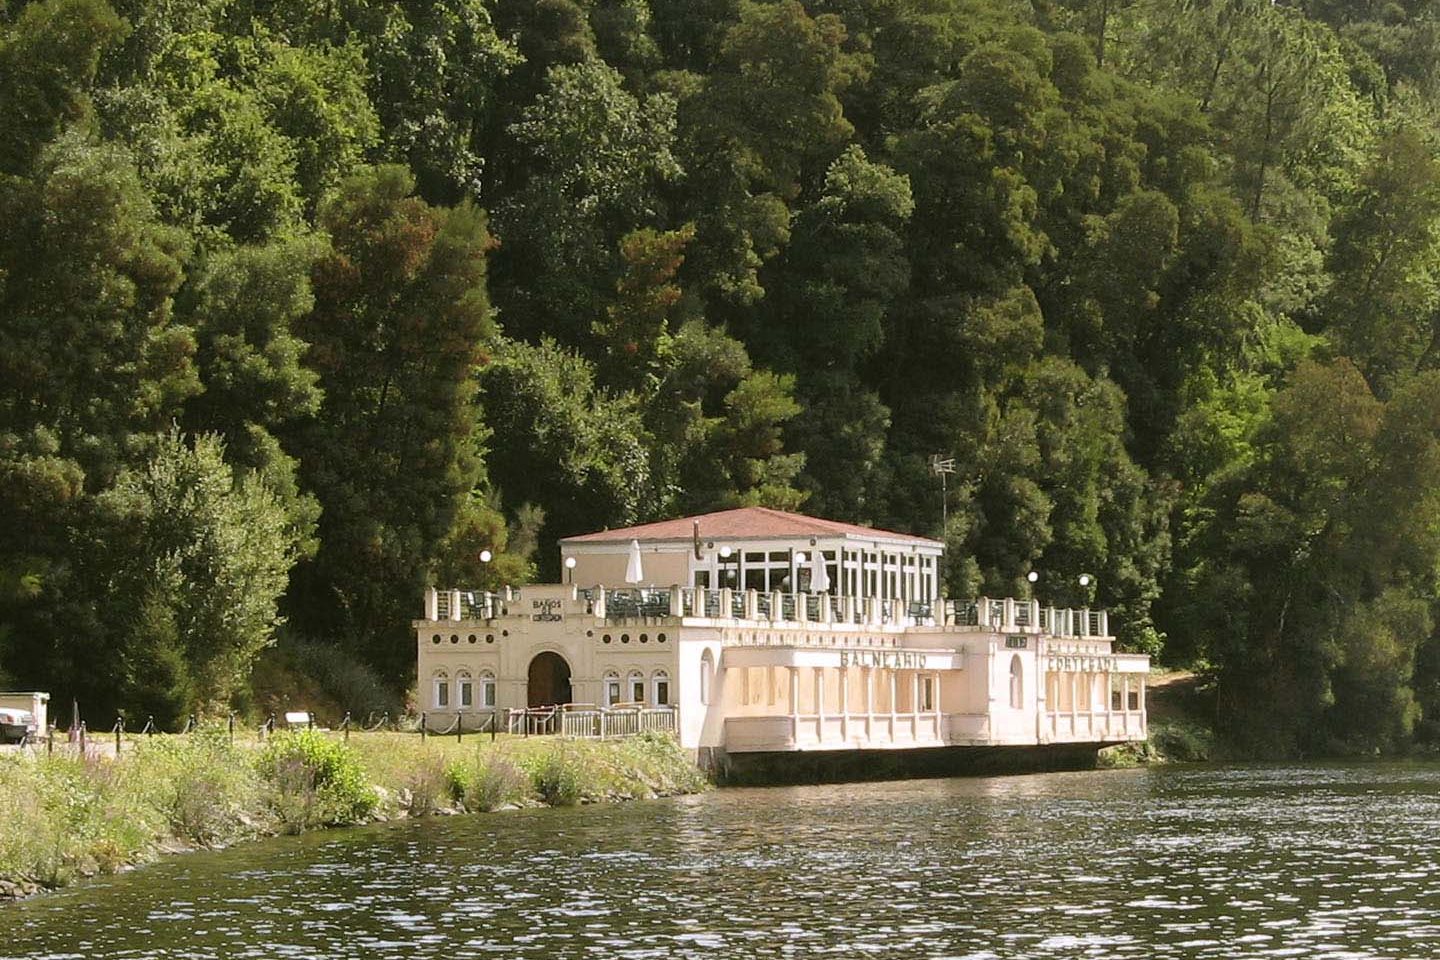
662	693
467	694
755	579
488	689
702	578
637	691
1115	700
1134	699
612	693
442	694
927	694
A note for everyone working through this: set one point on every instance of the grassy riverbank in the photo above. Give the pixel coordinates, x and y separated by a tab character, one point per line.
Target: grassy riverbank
68	816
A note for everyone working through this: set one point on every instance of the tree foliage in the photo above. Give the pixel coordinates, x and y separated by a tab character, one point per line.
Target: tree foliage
1159	275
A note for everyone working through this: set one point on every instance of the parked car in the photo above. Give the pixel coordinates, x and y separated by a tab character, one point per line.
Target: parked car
16	725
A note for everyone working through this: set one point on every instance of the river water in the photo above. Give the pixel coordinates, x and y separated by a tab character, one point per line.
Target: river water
1333	861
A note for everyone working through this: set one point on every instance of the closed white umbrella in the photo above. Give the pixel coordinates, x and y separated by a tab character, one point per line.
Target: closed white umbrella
819	576
634	573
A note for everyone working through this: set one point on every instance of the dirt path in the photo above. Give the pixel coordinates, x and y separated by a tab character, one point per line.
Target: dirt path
1179	695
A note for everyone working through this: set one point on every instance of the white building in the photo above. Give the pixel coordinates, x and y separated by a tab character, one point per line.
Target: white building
756	631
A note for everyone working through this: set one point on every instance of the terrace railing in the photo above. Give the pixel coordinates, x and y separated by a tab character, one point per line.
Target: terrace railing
648	603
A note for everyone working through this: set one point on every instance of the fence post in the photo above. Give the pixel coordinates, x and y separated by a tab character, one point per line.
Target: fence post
82	736
494	721
150	726
119	731
422	725
50	741
459	727
231	726
345	726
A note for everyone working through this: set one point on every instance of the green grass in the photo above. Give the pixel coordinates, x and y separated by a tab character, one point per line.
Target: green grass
71	816
640	766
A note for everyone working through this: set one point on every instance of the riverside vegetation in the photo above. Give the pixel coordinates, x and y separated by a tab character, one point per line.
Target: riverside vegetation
69	816
304	307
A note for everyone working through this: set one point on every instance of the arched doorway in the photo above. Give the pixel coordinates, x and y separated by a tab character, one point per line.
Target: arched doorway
549	681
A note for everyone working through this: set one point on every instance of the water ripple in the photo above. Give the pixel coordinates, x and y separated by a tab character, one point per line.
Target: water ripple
1229	863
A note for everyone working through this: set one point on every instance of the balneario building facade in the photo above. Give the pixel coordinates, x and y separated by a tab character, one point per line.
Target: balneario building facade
753	632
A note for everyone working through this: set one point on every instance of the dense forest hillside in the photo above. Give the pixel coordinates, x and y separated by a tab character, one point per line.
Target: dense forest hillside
303	306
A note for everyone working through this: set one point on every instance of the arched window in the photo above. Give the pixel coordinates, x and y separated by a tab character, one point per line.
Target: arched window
637	686
441	698
467	689
660	688
613	694
1017	683
487	689
707	676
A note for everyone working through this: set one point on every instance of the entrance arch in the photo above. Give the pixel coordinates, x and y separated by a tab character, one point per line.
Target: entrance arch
549	680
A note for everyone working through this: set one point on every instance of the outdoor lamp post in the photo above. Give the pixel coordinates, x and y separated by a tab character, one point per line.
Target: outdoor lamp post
725	573
569	569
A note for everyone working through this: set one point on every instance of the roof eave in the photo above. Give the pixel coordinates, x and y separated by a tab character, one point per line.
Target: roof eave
877	537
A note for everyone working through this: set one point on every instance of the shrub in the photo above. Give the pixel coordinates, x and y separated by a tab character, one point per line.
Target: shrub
203	787
557	778
316	781
427	785
350	683
661	761
69	815
1183	742
31	836
494	783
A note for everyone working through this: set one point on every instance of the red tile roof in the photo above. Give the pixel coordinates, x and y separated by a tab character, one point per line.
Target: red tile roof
745	523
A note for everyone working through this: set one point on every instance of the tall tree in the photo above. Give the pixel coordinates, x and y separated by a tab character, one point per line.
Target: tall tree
400	324
1383	309
200	559
91	363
